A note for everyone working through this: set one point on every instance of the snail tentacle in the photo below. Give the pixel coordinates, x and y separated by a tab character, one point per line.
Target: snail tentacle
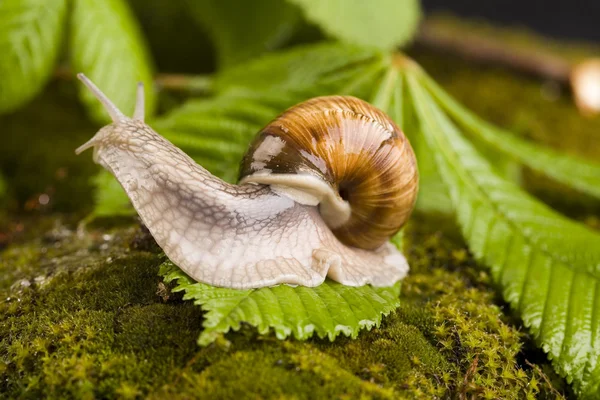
237	236
140	103
113	111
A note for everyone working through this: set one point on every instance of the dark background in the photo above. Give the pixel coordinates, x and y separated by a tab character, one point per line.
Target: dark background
572	19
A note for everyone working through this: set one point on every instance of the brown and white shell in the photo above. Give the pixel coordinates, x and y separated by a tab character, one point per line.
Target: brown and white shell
345	155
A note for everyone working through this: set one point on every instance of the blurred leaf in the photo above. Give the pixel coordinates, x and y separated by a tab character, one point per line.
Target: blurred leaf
107	45
326	310
110	199
177	42
241	30
385	24
30	38
309	70
573	171
546	263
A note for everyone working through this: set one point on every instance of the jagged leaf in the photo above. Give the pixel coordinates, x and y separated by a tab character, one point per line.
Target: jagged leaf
389	96
573	171
547	265
385	24
30	38
107	45
326	310
241	30
433	196
310	70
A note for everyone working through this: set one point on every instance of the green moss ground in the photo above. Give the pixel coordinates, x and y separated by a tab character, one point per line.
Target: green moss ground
85	315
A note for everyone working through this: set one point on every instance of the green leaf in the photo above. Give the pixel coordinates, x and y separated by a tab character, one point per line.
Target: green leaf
107	45
547	265
241	30
307	70
389	96
326	310
110	198
433	196
30	38
573	171
385	24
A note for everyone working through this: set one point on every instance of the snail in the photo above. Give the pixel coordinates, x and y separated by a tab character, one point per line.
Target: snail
322	189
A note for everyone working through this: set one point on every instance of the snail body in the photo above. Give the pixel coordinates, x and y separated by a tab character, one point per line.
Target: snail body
295	217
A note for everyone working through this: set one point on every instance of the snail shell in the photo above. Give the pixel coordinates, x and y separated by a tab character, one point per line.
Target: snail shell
253	234
347	156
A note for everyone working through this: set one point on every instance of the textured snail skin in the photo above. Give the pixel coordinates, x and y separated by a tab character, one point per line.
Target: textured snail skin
340	144
237	236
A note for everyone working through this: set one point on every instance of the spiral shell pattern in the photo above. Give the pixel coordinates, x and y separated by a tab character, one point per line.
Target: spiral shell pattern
354	148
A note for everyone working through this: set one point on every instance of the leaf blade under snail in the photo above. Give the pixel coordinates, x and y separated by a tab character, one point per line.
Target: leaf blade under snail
327	310
547	264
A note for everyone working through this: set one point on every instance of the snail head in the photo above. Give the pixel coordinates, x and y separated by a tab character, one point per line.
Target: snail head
113	133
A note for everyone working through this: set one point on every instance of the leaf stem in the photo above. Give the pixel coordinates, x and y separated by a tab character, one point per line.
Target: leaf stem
581	74
199	84
439	36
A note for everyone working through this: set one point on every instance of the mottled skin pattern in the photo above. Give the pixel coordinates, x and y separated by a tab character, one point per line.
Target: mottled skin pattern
238	236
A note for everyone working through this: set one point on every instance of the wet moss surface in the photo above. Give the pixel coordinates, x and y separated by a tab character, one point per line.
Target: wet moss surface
84	314
87	316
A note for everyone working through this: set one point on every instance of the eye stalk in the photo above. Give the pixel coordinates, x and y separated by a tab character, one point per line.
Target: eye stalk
239	236
140	103
115	114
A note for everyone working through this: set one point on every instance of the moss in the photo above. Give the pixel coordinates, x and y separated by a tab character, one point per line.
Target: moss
101	324
93	327
465	319
279	371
